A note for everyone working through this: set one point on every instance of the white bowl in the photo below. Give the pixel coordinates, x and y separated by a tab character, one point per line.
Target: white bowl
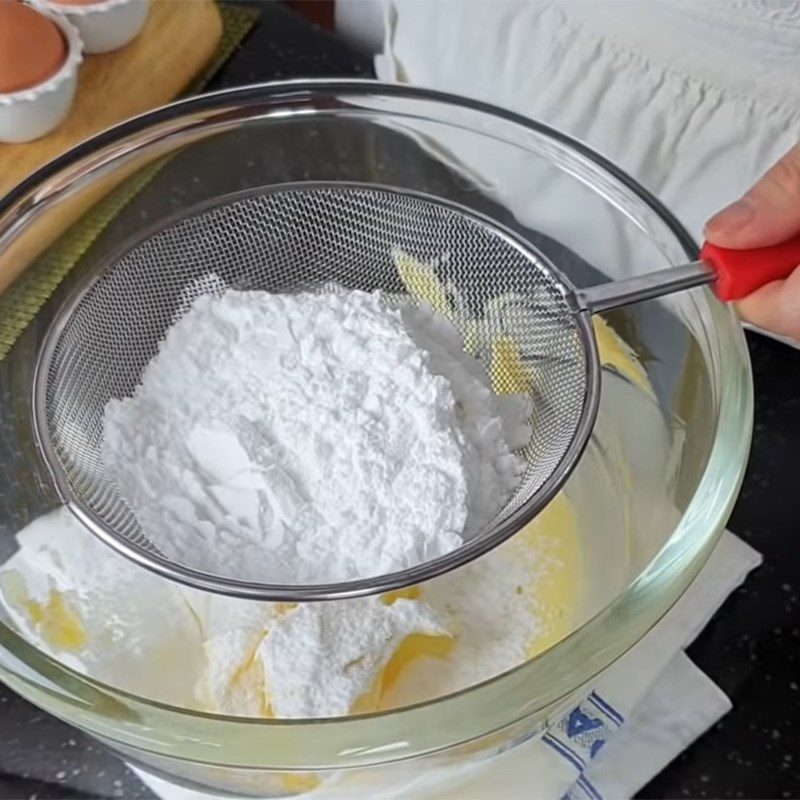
35	111
105	25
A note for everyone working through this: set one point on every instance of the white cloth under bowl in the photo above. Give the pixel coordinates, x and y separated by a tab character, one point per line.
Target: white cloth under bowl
644	711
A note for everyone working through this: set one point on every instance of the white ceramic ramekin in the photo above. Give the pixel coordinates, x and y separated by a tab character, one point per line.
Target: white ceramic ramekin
35	111
104	25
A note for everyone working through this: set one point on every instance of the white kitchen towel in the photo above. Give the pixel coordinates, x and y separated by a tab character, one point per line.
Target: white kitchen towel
659	729
694	100
644	710
680	705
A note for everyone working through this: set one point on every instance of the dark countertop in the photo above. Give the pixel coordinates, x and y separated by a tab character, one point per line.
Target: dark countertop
751	648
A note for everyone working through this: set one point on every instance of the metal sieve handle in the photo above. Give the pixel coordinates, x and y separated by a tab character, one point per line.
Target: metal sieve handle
608	296
734	273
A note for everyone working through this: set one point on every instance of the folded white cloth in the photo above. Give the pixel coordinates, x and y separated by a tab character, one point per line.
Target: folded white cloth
644	711
694	100
658	730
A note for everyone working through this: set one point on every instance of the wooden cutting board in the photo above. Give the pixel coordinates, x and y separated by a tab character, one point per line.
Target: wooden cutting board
178	40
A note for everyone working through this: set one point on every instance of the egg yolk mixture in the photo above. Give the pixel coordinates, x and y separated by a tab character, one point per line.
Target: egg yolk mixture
404	647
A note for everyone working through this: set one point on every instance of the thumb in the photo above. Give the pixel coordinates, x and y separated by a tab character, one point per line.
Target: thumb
768	214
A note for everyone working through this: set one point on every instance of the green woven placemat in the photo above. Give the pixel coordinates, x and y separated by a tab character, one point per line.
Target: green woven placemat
22	301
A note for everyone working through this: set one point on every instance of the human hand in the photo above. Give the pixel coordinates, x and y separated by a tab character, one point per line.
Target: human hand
768	214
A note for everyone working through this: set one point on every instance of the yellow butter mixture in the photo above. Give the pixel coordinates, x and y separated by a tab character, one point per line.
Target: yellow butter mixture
231	656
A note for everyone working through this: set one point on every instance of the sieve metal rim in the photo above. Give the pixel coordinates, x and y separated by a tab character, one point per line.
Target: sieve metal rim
419	573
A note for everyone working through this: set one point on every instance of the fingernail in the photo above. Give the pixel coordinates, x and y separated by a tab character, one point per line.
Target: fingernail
731	218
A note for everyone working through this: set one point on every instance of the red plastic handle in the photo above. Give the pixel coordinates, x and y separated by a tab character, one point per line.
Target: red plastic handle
741	272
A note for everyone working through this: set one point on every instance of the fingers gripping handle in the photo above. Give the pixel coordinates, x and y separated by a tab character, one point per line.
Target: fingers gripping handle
741	272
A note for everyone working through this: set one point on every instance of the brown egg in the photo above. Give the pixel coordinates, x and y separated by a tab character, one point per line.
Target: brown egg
32	48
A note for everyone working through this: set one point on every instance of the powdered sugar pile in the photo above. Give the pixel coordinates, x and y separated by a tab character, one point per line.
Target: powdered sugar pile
488	607
320	658
312	437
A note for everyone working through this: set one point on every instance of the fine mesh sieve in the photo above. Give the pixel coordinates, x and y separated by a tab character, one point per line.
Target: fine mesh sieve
319	237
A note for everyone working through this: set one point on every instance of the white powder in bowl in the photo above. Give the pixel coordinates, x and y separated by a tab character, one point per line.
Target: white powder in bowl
311	438
319	658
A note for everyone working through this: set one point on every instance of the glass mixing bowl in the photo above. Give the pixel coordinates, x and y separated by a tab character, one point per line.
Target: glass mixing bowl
652	493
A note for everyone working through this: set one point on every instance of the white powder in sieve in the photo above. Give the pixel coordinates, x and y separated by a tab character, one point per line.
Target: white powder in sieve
310	438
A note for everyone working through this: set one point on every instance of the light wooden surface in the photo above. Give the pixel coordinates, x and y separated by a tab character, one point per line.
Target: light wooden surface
178	40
